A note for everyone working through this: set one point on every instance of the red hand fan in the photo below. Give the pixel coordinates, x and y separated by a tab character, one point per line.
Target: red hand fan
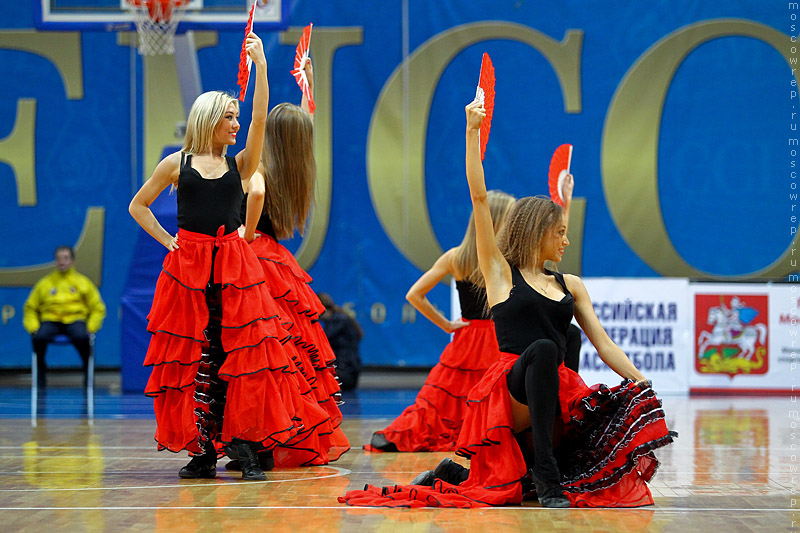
559	168
244	60
485	93
300	60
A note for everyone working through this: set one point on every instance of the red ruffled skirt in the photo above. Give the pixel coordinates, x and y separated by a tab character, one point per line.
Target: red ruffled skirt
432	423
268	400
605	454
299	309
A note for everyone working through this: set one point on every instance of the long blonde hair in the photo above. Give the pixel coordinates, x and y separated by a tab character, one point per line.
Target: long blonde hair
289	168
207	110
465	262
520	240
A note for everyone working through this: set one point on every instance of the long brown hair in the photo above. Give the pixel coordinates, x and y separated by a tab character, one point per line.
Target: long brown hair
465	262
520	240
289	168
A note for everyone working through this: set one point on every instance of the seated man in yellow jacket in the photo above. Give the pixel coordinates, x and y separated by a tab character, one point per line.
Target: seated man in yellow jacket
63	302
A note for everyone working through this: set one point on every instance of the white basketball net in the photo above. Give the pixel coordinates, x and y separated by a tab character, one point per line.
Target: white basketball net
156	21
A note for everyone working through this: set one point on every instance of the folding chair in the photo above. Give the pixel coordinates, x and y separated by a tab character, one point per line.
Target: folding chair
63	340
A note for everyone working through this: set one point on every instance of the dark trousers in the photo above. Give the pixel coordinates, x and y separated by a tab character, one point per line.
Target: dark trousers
77	334
533	381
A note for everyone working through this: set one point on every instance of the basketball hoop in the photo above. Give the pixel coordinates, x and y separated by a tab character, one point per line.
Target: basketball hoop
156	21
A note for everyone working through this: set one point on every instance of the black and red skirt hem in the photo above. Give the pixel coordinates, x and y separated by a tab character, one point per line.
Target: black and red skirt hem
298	309
266	394
615	429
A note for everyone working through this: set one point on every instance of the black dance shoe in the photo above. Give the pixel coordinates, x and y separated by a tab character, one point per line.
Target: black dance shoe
379	442
550	495
251	471
233	464
425	479
451	472
554	498
265	460
200	467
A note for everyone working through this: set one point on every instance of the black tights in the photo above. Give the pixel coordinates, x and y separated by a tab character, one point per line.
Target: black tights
573	356
210	389
533	381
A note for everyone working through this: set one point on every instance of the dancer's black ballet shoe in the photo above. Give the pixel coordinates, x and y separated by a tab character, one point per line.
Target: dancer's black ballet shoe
425	479
379	442
200	467
451	472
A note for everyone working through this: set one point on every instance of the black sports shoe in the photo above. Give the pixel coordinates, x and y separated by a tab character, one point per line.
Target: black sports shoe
451	472
379	442
201	466
425	479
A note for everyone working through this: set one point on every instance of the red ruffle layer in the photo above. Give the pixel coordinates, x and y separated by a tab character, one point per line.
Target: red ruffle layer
615	429
268	400
299	308
432	423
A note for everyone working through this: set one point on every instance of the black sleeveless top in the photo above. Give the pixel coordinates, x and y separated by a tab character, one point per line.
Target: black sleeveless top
264	223
206	204
473	301
527	316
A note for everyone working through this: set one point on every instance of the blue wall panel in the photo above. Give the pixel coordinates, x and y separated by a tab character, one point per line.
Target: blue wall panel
723	162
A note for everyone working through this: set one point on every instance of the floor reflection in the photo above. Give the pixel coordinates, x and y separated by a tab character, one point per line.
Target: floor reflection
731	469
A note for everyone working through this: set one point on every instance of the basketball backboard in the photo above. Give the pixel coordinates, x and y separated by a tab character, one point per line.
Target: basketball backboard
111	15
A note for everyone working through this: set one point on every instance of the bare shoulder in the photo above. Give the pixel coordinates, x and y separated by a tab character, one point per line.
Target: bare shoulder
449	256
173	159
574	283
169	167
445	261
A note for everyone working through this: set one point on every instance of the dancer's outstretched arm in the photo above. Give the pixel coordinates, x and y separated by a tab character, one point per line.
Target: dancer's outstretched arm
493	265
609	352
417	294
248	159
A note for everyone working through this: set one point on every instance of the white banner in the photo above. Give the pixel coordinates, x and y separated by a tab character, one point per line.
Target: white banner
650	319
745	337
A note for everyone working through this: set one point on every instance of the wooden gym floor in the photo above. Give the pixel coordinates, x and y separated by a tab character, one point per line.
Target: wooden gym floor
733	468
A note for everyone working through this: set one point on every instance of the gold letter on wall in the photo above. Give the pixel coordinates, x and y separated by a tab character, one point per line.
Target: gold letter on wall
630	145
63	50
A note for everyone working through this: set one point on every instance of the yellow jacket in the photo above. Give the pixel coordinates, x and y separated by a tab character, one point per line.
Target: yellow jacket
64	297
